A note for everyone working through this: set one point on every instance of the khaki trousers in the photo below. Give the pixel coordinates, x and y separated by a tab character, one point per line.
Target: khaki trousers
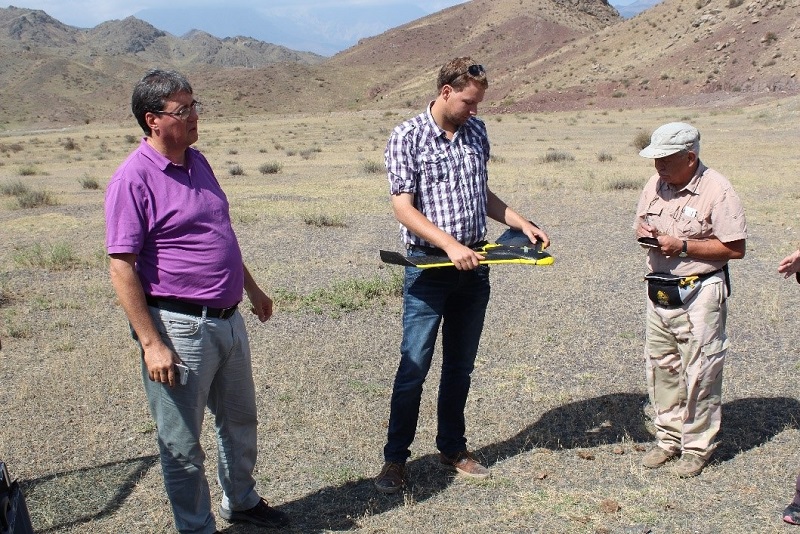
685	351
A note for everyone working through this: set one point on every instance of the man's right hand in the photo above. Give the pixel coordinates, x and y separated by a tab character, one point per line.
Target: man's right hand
645	230
463	257
160	362
790	264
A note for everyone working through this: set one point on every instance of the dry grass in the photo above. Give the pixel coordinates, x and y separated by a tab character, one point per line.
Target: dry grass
556	401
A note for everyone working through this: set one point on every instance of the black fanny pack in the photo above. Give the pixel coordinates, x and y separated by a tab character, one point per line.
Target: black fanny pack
667	289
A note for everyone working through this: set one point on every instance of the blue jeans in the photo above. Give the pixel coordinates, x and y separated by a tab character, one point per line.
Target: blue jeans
217	353
457	300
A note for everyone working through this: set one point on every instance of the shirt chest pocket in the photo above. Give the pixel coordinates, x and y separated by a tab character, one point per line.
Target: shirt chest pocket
692	223
435	167
473	162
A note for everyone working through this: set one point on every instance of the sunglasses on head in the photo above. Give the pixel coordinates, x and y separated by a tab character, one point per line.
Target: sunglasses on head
473	70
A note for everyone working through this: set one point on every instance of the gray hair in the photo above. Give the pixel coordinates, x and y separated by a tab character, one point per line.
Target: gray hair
695	148
152	90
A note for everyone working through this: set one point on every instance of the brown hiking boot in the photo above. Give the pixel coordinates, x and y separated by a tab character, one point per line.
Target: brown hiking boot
391	479
690	465
656	457
464	463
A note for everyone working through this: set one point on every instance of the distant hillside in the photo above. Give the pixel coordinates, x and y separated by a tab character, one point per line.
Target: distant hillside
679	52
74	73
505	35
540	55
551	55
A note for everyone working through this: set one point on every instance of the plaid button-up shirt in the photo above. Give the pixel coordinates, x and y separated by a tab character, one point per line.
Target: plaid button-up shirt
448	178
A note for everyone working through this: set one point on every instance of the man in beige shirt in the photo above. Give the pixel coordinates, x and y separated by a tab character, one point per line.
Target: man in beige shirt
692	223
788	266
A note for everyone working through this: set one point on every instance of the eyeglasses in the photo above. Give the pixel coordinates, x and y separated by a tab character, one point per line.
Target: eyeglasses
472	70
184	113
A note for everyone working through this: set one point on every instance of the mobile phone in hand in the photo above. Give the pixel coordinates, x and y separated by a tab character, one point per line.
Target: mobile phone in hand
649	242
183	373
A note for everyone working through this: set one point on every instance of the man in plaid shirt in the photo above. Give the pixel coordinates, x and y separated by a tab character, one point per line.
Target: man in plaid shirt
437	169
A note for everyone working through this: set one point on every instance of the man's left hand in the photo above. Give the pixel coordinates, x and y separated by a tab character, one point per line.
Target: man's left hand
535	234
261	304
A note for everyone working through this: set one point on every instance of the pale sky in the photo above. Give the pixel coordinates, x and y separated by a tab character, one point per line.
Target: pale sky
90	13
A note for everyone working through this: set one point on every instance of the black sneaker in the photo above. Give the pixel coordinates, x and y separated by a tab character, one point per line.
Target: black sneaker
261	514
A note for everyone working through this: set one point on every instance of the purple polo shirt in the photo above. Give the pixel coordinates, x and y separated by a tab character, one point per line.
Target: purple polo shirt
175	219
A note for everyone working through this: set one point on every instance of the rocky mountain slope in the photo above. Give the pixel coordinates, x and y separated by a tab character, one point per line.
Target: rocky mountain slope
540	55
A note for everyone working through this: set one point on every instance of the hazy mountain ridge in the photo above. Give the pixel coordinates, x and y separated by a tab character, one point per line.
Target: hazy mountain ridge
540	55
631	10
321	29
25	28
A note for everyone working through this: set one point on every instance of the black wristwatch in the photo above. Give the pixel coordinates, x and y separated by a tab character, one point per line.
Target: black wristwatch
684	249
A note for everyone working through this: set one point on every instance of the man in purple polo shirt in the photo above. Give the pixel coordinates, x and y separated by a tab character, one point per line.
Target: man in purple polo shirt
177	270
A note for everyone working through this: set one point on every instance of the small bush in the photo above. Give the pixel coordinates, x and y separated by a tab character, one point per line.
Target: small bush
769	38
35	199
622	184
15	147
236	170
87	182
70	144
641	140
372	167
57	257
320	221
557	156
604	156
270	168
308	153
735	3
14	189
618	94
131	139
27	170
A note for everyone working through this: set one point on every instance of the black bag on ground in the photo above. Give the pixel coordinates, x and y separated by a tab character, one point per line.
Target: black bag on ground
14	517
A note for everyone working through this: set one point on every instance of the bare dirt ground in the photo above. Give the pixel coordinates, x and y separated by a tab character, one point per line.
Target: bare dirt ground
556	403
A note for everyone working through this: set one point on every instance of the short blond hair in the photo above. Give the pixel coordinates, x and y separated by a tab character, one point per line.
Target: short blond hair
456	73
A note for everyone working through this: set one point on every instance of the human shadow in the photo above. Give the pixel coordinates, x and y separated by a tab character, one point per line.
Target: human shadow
79	496
74	497
603	420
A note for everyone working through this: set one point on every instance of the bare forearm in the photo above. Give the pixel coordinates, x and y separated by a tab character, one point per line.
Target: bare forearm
261	303
501	212
712	249
131	296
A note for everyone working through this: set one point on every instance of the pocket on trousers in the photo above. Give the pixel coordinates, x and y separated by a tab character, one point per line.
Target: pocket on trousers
176	325
181	327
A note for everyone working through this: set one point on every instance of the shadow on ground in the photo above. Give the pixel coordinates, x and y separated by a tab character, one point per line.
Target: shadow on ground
589	423
71	498
68	499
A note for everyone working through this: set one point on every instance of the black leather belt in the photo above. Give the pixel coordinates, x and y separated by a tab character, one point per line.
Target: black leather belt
178	306
429	251
433	251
